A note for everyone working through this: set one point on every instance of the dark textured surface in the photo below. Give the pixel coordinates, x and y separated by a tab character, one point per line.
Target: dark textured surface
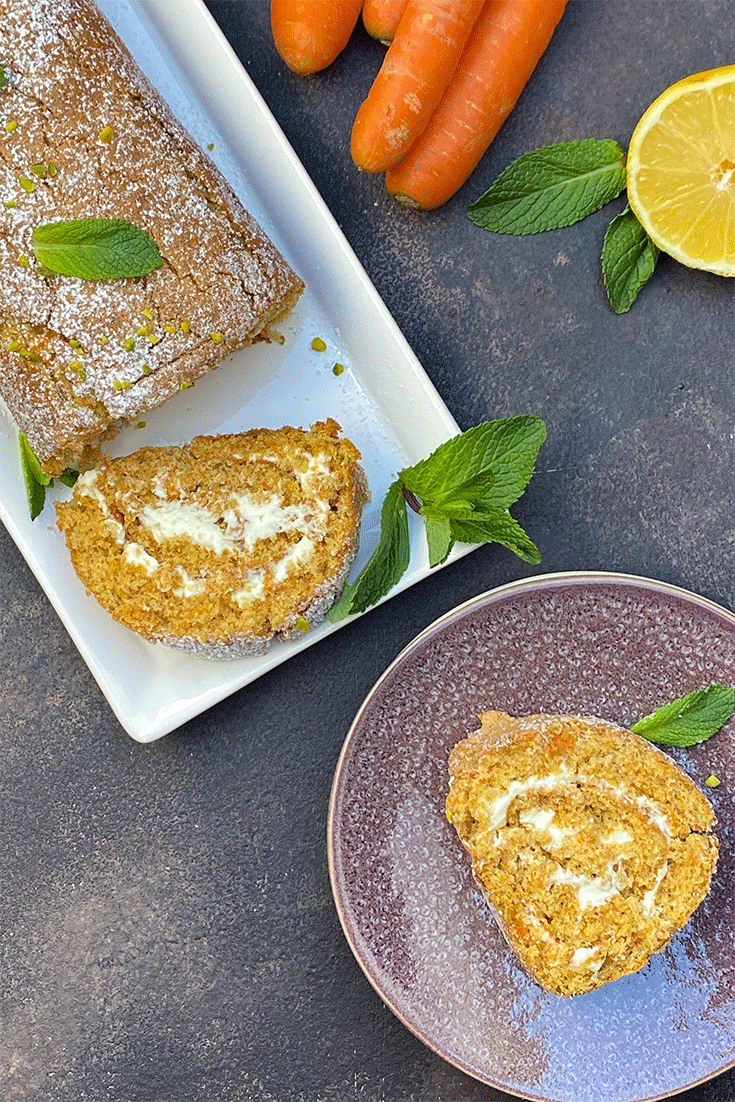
166	926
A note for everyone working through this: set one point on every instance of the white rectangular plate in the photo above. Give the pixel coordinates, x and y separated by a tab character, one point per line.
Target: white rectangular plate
383	400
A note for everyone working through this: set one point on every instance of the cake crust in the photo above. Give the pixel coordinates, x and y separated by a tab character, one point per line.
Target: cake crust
590	845
86	135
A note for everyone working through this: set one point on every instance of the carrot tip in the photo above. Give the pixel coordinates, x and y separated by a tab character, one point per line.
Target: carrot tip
406	201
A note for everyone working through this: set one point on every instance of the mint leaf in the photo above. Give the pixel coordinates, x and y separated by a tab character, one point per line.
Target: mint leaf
499	527
438	537
498	456
2	77
690	719
387	564
96	248
628	260
35	477
552	187
465	487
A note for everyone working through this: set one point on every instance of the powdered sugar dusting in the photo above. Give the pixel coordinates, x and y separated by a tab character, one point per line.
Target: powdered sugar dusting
82	126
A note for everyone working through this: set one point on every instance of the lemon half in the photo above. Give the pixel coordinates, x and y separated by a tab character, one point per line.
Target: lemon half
681	171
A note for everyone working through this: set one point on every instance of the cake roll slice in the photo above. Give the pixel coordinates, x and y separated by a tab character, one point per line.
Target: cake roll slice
590	845
224	544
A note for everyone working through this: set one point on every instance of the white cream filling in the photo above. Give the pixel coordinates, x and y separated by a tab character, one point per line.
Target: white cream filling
592	891
648	906
190	587
252	590
138	556
296	556
542	820
582	958
86	486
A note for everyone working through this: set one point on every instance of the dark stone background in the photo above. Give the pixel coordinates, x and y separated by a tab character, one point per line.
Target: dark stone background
167	930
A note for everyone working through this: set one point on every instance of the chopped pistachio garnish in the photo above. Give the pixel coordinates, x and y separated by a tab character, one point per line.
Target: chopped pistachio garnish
117	384
319	345
40	170
11	125
712	781
210	145
51	168
32	357
302	624
129	344
153	340
185	327
26	184
146	313
216	337
75	365
74	342
170	328
140	425
107	134
183	385
14	346
9	204
145	369
104	340
24	261
338	369
126	384
143	331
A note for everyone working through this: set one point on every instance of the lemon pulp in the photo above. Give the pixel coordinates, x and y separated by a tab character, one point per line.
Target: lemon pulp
681	171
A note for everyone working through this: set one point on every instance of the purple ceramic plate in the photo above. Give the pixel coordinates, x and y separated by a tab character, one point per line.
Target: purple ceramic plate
598	644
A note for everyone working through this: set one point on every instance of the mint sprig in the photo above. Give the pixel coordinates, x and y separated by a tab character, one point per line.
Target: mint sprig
96	248
689	719
628	260
36	479
560	184
552	187
463	490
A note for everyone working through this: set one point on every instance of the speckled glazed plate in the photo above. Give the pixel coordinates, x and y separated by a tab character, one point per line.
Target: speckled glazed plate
600	644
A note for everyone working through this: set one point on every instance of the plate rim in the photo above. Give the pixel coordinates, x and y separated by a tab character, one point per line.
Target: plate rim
531	582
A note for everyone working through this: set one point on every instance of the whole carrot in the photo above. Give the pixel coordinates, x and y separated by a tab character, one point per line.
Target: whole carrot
501	53
417	68
310	34
381	18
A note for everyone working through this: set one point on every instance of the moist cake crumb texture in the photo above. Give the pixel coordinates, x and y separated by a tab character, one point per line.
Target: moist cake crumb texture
590	845
221	545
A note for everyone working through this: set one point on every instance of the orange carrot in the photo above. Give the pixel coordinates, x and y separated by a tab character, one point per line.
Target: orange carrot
417	68
381	18
501	53
310	34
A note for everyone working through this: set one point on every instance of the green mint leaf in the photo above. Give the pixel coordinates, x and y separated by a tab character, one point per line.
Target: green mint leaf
387	564
2	77
552	187
69	477
35	477
498	527
497	456
96	248
628	260
690	719
438	537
